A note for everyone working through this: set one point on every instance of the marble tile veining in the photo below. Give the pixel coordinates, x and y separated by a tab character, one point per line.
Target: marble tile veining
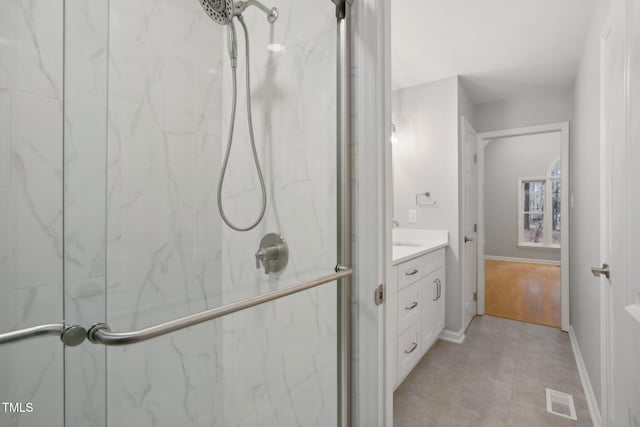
31	205
144	112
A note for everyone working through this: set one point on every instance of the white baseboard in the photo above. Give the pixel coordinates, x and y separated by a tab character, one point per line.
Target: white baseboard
456	337
592	403
527	260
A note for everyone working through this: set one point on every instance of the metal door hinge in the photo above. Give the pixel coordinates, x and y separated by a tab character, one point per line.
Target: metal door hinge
475	296
475	228
379	294
602	271
475	158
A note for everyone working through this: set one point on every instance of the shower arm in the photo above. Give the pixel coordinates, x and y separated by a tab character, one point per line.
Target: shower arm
240	6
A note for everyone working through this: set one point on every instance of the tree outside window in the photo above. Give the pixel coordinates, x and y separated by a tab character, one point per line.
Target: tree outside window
536	194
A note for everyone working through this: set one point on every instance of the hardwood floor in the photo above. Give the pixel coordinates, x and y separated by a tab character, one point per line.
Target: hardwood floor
521	291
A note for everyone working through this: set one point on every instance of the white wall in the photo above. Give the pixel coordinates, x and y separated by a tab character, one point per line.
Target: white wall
507	160
426	159
547	105
585	216
466	108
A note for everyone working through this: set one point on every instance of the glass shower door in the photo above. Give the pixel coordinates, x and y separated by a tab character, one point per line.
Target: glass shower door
31	228
147	103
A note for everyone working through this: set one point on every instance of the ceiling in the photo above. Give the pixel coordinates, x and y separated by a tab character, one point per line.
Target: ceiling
499	47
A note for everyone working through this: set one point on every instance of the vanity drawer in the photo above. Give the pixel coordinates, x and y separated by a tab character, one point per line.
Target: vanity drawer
409	306
409	351
409	272
432	261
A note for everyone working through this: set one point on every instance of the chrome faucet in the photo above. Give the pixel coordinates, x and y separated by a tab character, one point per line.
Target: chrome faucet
395	223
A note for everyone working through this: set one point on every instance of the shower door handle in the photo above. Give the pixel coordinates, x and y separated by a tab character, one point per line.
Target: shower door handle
100	333
70	335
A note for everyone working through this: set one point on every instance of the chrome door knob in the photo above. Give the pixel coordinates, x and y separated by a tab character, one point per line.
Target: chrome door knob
467	239
601	271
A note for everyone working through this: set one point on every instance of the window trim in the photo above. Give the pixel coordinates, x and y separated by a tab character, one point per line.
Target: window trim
547	219
552	166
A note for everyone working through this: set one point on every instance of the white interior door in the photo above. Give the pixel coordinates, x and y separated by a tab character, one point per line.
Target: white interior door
620	211
469	219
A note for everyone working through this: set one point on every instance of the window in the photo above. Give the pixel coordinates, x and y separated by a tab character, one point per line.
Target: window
539	209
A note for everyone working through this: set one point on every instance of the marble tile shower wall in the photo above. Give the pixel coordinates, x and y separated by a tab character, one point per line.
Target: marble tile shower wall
146	105
163	228
85	146
280	359
31	240
168	255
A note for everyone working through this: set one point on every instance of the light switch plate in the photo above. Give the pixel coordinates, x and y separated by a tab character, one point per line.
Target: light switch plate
412	216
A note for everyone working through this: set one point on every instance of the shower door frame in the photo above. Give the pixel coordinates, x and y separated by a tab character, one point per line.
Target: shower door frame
344	213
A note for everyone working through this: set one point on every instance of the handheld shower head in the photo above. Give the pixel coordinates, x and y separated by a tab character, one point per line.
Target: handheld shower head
221	11
232	44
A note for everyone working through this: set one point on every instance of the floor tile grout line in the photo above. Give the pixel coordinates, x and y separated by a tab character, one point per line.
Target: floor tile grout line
518	333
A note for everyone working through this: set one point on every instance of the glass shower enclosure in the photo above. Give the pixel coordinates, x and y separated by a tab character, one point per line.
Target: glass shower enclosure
113	123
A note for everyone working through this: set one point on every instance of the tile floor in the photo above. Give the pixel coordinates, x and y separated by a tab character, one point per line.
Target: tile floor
496	377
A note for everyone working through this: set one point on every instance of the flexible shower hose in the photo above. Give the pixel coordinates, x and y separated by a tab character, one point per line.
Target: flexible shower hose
223	172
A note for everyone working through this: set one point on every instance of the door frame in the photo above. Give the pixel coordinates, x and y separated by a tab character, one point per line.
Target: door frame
605	336
606	398
466	123
483	140
370	39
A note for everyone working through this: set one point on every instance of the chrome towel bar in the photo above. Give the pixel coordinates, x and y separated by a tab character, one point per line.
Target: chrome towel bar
100	333
71	335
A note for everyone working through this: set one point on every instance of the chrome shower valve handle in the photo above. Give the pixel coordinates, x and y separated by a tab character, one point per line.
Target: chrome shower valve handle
266	255
273	253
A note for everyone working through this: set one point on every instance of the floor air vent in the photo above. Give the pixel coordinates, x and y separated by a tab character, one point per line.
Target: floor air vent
561	404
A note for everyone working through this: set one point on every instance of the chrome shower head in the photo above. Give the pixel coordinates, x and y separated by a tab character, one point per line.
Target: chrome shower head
221	11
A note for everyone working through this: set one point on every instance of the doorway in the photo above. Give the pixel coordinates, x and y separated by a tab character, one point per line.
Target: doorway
522	261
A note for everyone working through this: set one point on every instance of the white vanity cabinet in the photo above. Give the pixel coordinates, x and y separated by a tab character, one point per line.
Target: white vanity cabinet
432	315
418	295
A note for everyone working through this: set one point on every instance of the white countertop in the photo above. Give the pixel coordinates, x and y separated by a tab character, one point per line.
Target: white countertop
411	243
